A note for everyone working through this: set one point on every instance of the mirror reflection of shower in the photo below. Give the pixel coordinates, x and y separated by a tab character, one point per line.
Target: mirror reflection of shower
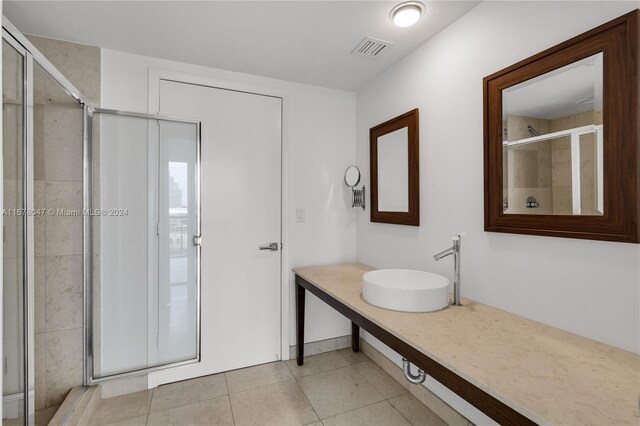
553	137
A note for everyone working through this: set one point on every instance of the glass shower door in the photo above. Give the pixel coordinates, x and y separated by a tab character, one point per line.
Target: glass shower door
18	380
178	242
145	288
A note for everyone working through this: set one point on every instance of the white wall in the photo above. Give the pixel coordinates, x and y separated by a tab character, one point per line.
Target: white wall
321	134
586	287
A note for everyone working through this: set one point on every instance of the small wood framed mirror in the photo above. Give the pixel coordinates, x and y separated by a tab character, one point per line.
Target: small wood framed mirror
561	139
395	176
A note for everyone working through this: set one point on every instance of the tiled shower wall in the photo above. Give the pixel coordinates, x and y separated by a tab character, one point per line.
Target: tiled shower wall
543	169
58	174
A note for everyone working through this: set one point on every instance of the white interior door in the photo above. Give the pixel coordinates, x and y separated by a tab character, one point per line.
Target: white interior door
241	211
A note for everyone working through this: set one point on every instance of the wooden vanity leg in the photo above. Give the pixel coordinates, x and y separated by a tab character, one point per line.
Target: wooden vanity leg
300	293
355	338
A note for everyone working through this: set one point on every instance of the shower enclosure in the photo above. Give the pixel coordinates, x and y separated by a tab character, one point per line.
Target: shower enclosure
122	208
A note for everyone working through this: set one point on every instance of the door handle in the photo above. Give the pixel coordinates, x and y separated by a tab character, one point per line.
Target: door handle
270	247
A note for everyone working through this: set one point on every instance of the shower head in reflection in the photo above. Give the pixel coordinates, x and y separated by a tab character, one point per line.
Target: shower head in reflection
532	130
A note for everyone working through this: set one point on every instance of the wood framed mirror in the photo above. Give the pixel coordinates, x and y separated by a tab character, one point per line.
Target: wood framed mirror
561	139
395	171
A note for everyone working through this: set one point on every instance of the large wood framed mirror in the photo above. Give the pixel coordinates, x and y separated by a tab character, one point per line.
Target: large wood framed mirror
395	176
561	139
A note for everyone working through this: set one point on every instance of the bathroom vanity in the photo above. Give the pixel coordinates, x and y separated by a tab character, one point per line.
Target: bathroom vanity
514	370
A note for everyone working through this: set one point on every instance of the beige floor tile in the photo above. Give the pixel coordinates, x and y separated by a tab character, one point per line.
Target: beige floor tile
277	404
335	392
210	412
133	421
44	416
438	406
318	423
381	413
19	421
353	357
188	391
123	407
317	364
415	411
383	382
255	377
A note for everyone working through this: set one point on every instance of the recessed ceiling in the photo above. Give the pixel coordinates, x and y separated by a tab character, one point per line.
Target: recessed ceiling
303	41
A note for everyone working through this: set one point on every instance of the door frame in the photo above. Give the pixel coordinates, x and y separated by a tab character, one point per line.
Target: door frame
156	75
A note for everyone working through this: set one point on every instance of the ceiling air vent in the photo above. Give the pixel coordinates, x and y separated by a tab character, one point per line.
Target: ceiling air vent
371	47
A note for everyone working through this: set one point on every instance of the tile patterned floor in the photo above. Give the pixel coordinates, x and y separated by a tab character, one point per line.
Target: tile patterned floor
333	388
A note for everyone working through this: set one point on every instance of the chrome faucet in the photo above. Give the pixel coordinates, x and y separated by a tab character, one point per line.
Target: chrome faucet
455	251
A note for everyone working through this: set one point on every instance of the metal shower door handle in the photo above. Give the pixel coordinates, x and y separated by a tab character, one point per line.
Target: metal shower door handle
270	247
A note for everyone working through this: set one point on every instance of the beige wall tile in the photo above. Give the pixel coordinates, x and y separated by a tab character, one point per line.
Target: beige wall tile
12	145
544	164
64	302
40	370
63	233
39	267
63	142
562	201
38	141
597	117
63	195
39	222
64	363
12	74
79	63
523	168
561	167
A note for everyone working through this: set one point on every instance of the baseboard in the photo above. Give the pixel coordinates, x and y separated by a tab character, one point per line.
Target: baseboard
321	346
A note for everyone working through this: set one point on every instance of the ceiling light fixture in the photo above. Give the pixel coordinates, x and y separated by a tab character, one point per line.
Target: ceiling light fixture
407	14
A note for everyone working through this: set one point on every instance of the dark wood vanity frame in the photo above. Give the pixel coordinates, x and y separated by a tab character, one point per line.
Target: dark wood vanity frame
409	120
618	40
497	410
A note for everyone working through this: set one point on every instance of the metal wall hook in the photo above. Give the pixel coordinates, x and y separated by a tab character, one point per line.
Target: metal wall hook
416	379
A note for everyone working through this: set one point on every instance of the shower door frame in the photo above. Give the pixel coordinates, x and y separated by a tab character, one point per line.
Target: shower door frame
31	54
89	378
28	286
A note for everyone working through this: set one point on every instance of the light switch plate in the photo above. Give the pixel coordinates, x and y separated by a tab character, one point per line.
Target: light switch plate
300	214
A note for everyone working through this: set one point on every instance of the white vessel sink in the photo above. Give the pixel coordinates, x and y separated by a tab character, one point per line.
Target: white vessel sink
405	290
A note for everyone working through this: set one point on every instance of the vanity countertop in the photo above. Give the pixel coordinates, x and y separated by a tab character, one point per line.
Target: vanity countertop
549	375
